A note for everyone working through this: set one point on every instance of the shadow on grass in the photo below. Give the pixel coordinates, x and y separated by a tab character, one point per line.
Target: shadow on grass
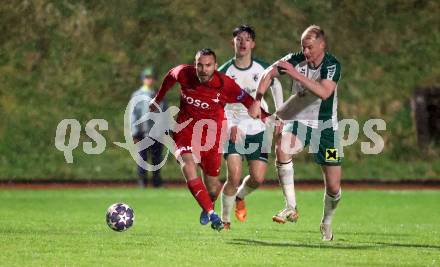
252	242
359	233
329	245
407	245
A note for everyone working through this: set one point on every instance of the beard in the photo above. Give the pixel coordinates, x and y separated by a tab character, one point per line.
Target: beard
204	77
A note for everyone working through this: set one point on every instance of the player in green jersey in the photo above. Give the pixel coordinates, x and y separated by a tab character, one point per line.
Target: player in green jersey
246	134
309	117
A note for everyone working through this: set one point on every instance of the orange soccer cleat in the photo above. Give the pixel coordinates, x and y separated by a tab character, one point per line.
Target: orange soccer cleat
240	209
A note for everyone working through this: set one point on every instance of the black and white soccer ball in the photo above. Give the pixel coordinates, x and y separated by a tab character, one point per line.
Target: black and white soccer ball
120	217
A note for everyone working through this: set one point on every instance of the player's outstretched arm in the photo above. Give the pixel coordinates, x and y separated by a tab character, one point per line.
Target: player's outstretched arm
264	83
238	95
248	101
168	82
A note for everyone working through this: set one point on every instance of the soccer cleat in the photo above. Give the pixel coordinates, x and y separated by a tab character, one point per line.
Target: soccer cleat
286	215
326	232
227	225
216	222
204	218
240	209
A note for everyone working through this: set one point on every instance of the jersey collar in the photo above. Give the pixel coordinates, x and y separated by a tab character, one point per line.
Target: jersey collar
250	66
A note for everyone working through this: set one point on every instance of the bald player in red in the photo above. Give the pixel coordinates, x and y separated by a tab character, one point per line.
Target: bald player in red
203	94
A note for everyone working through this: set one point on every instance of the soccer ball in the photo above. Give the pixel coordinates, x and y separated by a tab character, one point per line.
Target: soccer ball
120	217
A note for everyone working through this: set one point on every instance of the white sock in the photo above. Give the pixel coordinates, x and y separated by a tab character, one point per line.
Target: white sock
244	189
285	176
330	204
227	205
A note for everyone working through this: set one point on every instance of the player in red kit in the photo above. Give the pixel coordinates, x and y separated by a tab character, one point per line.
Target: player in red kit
203	94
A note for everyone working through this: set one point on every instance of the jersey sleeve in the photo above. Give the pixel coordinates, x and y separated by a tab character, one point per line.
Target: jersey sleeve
238	95
170	79
331	70
234	92
292	58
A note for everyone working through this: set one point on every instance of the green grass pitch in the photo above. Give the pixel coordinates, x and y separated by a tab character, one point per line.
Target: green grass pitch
67	228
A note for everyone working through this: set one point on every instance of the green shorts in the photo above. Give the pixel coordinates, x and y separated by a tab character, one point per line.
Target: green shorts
324	144
251	148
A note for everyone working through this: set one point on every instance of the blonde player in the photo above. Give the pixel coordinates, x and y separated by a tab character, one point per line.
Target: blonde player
310	117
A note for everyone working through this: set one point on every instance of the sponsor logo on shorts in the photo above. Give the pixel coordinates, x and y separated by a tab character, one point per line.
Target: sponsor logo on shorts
331	154
184	149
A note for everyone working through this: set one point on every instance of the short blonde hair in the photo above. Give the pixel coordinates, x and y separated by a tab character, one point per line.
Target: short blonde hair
313	32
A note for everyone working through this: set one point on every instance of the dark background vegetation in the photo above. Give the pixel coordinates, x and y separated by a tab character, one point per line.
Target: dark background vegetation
81	59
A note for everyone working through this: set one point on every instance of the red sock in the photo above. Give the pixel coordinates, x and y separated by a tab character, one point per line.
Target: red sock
198	190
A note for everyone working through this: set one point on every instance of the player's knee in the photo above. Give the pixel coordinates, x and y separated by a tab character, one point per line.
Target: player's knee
333	190
234	181
234	175
281	156
189	169
186	166
257	180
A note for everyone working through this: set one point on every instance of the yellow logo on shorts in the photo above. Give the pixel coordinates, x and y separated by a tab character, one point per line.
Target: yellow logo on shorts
331	154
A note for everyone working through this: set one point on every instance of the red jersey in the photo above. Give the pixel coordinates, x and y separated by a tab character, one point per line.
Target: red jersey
202	100
199	101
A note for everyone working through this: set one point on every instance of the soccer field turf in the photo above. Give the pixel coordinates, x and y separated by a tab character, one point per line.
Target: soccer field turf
67	227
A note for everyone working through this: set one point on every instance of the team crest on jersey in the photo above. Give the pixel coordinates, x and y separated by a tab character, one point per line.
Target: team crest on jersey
302	71
255	77
216	100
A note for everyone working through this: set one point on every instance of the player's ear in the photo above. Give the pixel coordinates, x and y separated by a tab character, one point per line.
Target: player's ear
322	45
252	44
232	43
215	66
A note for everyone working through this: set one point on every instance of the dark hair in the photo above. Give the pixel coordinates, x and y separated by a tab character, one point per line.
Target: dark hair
206	52
244	28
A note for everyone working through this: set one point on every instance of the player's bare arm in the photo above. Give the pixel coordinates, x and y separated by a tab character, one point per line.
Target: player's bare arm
322	89
277	93
265	81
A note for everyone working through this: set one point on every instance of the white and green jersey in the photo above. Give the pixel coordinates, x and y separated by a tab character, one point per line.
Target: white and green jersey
247	79
303	105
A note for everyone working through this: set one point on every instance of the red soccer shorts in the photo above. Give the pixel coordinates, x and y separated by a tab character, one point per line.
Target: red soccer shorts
204	145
